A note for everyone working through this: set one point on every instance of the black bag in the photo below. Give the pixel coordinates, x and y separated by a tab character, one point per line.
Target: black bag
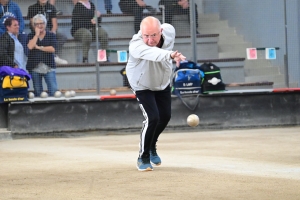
187	80
125	79
212	81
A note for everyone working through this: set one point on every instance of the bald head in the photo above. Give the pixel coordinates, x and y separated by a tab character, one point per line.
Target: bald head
150	22
151	31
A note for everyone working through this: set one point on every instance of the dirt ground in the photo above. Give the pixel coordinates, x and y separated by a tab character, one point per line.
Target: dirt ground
228	164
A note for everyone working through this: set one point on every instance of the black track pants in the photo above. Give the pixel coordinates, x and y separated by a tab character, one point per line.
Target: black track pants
156	108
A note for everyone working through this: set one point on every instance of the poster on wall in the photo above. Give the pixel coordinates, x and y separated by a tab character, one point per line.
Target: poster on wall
122	56
101	55
251	53
270	53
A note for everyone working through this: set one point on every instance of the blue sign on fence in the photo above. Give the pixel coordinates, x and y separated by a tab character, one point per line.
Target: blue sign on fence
122	56
270	53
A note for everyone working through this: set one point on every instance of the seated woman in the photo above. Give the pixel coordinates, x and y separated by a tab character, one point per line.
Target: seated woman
40	63
173	7
84	27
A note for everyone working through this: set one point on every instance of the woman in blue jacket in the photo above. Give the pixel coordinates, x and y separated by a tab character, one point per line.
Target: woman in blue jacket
10	9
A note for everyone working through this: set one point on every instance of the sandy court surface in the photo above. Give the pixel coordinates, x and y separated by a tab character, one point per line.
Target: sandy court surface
228	164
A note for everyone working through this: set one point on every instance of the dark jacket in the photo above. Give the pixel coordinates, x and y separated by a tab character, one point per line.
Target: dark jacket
48	10
36	56
11	10
81	17
7	49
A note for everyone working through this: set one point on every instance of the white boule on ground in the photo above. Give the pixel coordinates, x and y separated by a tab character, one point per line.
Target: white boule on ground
193	120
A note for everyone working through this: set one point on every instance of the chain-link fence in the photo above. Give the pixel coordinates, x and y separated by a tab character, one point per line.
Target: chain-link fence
263	25
253	42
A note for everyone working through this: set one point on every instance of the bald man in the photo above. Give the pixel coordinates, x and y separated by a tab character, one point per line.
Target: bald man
149	69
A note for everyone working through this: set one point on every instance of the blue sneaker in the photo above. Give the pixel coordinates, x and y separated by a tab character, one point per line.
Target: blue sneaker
143	164
154	158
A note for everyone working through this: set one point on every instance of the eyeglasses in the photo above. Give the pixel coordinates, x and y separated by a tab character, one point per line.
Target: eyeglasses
151	36
37	24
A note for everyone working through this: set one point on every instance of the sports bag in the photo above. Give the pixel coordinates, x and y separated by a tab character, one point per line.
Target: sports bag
212	81
13	84
187	81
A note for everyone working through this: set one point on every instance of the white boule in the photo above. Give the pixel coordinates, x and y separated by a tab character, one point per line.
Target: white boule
30	95
67	94
193	120
44	95
113	92
73	93
57	94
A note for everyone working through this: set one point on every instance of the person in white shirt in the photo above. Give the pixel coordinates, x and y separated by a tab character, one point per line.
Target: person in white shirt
148	70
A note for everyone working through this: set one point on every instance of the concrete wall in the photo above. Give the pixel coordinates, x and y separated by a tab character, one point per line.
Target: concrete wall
263	24
3	115
219	111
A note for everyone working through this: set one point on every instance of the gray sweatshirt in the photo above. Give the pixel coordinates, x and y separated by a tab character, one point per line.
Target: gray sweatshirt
150	68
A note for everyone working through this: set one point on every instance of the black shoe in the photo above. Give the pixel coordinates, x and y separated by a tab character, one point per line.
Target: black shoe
59	12
85	60
108	12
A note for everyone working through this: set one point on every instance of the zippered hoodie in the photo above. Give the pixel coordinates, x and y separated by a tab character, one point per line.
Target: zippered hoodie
12	9
150	68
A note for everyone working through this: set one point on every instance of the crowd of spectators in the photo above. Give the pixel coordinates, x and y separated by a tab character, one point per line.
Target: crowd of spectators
38	52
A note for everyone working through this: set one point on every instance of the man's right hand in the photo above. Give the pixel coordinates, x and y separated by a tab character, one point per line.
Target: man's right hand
178	57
